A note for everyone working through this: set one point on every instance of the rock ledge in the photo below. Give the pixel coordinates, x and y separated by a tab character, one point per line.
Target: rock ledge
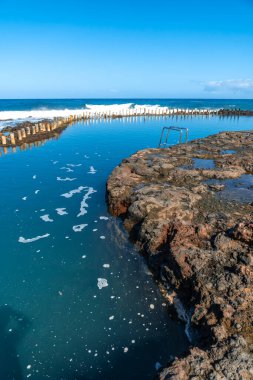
190	211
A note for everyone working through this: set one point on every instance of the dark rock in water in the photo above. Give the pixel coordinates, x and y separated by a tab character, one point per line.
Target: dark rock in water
199	243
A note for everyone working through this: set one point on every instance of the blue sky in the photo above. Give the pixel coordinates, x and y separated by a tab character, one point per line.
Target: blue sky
117	49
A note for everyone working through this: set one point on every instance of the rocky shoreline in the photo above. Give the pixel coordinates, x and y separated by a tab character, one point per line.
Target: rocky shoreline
189	209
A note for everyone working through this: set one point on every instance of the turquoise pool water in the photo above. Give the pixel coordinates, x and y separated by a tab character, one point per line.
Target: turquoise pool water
76	299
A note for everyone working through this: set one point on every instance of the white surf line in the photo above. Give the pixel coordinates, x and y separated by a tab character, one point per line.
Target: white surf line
91	111
84	205
61	211
75	191
46	218
65	179
31	240
79	227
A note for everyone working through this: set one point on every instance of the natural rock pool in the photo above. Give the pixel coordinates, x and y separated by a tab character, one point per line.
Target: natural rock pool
77	300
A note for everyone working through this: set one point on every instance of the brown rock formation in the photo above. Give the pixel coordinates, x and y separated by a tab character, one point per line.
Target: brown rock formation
190	210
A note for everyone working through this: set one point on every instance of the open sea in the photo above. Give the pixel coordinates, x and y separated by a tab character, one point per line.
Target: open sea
77	301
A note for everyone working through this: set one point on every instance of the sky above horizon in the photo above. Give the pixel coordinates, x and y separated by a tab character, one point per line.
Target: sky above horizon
133	49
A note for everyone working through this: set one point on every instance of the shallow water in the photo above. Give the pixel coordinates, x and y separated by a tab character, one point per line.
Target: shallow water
201	163
238	189
55	322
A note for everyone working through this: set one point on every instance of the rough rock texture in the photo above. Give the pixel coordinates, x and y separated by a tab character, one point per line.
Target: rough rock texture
190	211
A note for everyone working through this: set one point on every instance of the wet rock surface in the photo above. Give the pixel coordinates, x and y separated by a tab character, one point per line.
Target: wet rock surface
198	240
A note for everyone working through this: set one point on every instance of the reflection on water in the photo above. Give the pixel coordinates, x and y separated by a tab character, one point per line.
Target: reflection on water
25	146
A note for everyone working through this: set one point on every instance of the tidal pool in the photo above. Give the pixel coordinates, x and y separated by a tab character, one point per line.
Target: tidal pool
76	299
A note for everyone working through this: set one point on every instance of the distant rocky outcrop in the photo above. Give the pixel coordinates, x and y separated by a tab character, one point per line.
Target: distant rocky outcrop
189	209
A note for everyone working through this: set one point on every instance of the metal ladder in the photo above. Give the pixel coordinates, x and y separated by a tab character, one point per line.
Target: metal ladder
181	130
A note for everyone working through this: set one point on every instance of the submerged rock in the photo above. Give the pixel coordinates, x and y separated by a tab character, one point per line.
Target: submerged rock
199	243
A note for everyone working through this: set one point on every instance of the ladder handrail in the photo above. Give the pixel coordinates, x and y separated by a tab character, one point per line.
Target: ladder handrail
173	128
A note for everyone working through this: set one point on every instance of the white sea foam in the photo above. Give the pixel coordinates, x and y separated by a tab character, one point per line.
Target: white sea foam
72	192
102	283
65	179
31	240
46	218
38	114
92	170
84	205
79	227
108	107
103	218
12	117
61	211
67	169
74	166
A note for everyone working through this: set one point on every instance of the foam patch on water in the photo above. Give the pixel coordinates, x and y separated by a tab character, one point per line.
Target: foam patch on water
46	218
65	179
67	169
72	192
61	211
31	240
102	283
84	205
103	218
92	170
79	227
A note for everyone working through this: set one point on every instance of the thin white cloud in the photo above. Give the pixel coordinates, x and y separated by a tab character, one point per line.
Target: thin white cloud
231	85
